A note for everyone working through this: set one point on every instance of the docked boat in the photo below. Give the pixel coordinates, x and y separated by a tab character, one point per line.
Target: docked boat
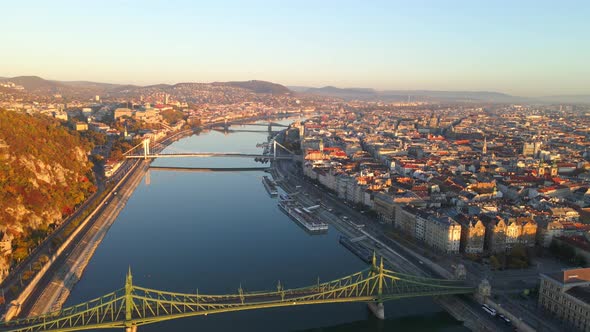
301	215
270	185
361	252
262	145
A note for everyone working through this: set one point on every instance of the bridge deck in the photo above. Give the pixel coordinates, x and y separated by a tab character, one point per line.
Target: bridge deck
208	169
134	306
207	155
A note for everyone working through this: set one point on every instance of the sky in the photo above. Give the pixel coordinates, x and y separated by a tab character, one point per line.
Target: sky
520	47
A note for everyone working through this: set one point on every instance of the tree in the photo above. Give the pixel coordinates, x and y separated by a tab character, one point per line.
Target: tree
172	116
579	260
116	155
20	253
495	263
518	257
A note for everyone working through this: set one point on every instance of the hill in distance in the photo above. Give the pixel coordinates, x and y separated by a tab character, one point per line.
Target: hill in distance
403	95
259	86
32	83
575	99
38	85
433	95
86	89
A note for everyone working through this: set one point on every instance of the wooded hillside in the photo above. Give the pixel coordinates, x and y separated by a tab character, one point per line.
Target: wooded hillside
44	174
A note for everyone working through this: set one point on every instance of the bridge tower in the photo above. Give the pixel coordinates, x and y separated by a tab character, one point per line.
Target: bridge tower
274	149
270	127
484	291
377	307
129	327
460	272
146	148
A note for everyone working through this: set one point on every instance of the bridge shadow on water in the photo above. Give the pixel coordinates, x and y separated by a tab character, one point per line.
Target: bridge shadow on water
437	321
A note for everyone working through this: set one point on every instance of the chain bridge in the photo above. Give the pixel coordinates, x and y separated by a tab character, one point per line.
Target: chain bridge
133	306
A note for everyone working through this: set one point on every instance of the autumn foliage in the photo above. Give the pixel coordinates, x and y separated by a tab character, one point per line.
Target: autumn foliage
44	168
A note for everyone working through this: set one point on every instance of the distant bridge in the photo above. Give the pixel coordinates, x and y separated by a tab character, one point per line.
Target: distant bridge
208	169
133	306
227	123
207	154
273	124
148	147
229	131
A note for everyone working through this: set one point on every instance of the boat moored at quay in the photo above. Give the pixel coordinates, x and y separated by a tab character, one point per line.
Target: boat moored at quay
270	186
302	215
361	252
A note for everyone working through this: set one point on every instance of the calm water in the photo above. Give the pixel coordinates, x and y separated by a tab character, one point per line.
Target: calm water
216	231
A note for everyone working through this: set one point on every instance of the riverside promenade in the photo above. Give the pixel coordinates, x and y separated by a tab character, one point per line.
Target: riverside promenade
53	291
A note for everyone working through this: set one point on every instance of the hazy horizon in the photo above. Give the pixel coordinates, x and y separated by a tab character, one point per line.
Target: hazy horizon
529	48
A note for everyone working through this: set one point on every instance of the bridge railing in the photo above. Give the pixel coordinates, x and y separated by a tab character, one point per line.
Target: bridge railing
135	305
106	308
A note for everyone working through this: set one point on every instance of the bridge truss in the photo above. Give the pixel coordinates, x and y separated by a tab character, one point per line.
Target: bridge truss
134	306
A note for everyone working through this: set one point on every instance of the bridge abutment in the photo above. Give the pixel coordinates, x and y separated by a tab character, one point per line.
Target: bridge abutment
378	309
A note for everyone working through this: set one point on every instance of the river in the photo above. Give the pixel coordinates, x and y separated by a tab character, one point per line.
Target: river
217	231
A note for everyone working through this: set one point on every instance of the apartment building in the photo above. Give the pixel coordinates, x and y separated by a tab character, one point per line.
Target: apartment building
566	296
472	234
443	233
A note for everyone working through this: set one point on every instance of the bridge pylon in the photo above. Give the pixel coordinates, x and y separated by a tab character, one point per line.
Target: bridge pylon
377	307
146	148
129	327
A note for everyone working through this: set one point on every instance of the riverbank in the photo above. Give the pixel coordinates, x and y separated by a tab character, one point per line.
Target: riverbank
58	288
51	287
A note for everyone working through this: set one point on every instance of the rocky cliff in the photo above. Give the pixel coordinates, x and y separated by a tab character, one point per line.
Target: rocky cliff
44	175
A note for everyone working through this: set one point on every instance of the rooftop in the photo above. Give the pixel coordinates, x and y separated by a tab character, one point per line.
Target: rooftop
571	276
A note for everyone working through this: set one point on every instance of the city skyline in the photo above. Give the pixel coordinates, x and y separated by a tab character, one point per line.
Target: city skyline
180	165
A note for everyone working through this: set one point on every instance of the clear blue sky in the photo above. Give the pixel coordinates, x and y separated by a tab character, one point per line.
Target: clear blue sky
520	47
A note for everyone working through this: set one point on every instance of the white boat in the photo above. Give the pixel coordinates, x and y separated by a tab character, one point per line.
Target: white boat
309	221
270	185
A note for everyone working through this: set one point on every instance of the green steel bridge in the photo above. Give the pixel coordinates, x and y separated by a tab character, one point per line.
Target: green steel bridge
133	306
